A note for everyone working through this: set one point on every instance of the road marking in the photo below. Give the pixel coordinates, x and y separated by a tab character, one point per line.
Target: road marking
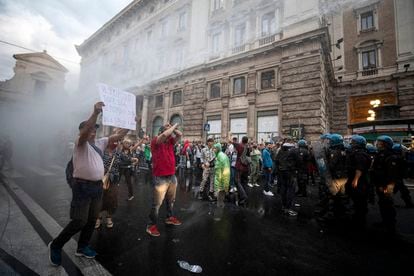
40	171
12	174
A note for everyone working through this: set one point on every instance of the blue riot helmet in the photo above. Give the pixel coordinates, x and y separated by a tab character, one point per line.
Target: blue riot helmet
358	141
371	148
335	140
325	136
302	143
386	140
397	148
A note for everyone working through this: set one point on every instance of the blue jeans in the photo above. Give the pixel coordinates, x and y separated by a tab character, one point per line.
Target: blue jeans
267	172
164	188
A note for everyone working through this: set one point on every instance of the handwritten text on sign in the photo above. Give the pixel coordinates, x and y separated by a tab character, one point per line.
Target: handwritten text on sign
119	109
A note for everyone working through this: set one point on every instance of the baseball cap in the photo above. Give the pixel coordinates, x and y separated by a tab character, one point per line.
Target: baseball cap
81	125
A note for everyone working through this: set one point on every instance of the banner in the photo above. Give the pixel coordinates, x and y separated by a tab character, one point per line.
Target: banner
120	107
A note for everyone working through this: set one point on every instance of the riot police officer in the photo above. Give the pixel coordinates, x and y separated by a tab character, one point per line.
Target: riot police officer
358	164
303	161
336	164
385	175
402	170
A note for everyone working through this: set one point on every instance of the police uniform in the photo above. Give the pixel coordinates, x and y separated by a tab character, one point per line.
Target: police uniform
385	173
359	159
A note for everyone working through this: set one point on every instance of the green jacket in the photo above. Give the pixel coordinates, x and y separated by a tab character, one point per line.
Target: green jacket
222	170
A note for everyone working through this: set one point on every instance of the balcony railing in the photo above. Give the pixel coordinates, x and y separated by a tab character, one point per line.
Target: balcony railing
267	40
238	49
370	72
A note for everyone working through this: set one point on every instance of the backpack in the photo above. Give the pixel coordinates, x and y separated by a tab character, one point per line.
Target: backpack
244	159
69	166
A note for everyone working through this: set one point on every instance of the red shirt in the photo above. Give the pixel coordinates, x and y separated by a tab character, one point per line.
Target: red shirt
163	159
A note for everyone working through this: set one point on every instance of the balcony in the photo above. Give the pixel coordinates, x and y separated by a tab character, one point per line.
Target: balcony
267	39
238	49
369	72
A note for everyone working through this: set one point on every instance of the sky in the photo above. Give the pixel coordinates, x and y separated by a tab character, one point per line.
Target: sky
52	25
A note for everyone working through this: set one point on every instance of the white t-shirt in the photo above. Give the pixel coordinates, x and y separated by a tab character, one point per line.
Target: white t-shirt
87	163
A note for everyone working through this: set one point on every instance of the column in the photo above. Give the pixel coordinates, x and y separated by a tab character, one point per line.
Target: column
144	117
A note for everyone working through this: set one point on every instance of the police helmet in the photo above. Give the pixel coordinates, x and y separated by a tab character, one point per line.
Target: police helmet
387	140
325	136
335	139
302	143
358	140
397	148
371	148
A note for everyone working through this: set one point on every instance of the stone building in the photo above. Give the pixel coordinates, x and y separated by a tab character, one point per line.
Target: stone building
256	68
374	93
35	75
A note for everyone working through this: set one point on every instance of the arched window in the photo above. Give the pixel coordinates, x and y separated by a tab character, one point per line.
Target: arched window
176	119
156	124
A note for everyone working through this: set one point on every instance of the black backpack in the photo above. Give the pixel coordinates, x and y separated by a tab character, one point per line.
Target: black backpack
69	166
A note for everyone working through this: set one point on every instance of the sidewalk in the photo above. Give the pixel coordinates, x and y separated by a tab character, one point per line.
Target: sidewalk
25	230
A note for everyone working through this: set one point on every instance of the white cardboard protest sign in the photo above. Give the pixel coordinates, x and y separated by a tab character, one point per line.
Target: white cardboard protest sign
120	107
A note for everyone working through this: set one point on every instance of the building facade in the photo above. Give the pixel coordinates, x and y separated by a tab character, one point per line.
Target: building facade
263	69
374	92
256	68
35	75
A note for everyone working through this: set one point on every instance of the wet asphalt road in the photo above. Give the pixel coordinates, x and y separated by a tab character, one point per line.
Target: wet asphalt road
256	240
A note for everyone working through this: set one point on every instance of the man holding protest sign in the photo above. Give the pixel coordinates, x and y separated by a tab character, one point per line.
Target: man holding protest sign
88	171
163	170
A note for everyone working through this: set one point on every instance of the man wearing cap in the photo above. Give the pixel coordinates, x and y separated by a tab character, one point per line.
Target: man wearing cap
163	170
88	171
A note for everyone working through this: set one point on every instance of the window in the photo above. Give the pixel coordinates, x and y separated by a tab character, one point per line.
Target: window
239	86
182	21
267	79
238	125
217	4
268	24
369	59
215	127
176	119
149	35
159	100
156	124
215	90
267	126
239	35
177	98
367	20
216	43
39	88
179	57
164	28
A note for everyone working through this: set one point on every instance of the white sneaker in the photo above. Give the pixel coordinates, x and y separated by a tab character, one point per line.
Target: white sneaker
130	198
292	213
256	185
269	193
250	185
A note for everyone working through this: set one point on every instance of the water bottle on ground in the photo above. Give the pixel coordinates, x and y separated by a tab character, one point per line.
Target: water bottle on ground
191	268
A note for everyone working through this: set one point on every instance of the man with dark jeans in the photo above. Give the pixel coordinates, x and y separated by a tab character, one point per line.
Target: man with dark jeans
286	174
242	168
163	170
88	171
